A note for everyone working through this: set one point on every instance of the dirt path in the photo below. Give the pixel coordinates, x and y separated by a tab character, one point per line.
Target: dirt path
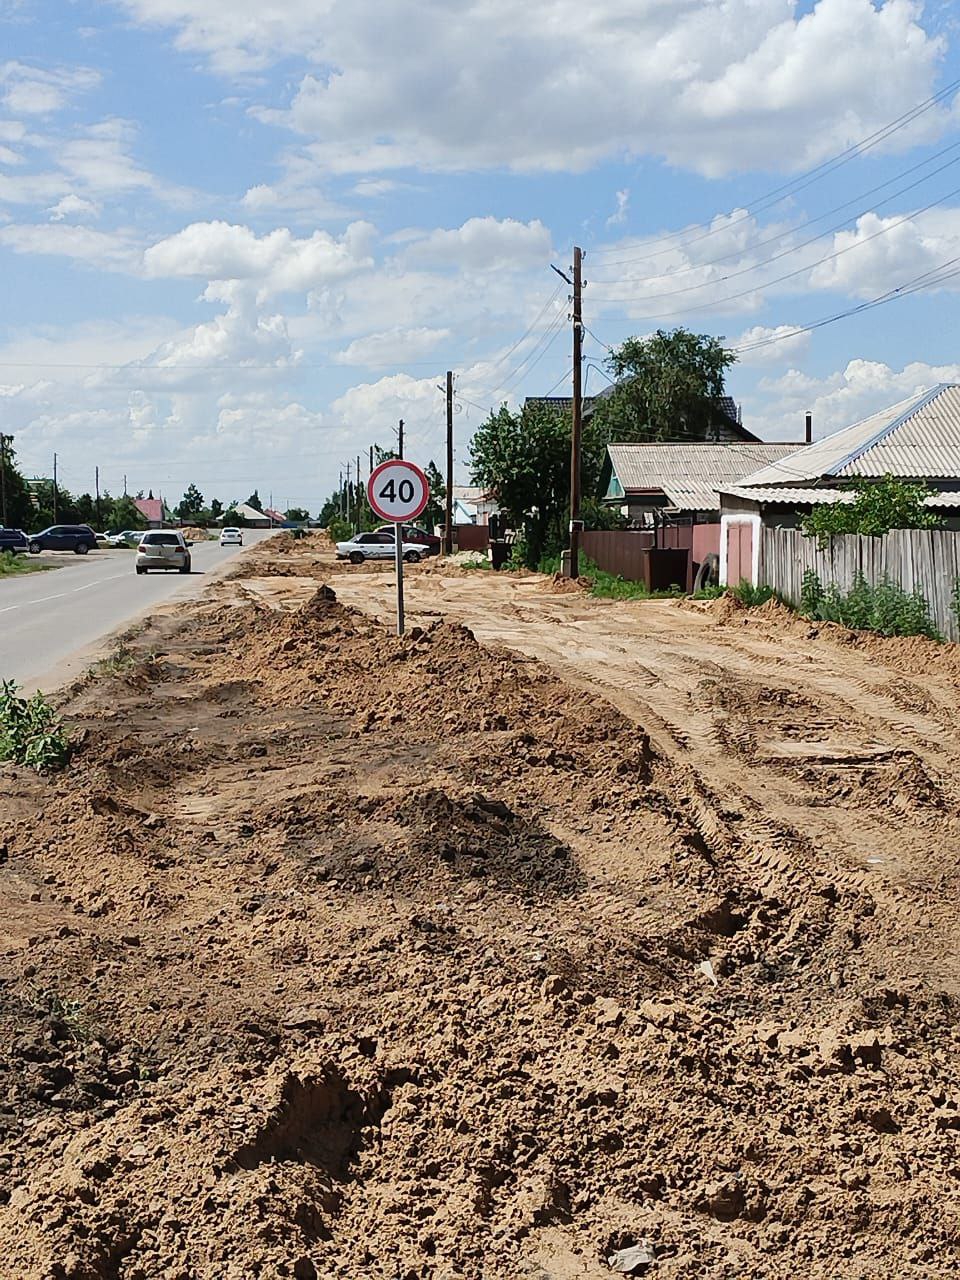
339	955
827	758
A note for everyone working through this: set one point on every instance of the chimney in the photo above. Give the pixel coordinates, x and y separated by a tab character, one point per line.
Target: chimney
808	429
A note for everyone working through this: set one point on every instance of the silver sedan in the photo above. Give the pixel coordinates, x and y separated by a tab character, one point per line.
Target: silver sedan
379	546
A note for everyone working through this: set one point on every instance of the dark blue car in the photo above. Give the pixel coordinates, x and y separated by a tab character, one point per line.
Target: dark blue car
13	540
63	537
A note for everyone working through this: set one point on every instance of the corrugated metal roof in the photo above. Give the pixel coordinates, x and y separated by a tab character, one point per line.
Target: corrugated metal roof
916	438
798	495
690	475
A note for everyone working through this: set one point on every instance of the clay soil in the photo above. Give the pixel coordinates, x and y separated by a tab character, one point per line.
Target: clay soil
554	928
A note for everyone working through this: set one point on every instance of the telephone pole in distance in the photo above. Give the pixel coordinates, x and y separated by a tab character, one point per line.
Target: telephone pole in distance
448	513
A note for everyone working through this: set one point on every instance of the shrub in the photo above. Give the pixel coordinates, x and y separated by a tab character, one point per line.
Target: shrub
750	595
879	506
30	732
885	607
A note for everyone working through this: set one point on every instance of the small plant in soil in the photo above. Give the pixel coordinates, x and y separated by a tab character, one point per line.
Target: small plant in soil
30	732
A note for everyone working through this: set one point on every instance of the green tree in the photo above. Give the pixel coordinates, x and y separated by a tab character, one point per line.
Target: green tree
191	504
298	513
216	508
879	506
524	459
435	512
19	507
667	387
254	501
126	515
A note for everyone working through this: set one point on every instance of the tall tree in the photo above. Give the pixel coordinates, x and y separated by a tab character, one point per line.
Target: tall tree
216	508
254	501
524	460
20	511
298	513
191	504
668	387
435	511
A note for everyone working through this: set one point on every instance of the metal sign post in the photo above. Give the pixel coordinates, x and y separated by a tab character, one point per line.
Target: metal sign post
398	491
398	534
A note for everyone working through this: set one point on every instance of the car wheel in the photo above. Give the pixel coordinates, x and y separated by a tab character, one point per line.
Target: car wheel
186	567
82	548
141	569
356	557
412	557
34	548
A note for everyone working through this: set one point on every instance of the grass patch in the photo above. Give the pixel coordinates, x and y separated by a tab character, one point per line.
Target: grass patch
475	564
50	1004
753	596
120	661
14	566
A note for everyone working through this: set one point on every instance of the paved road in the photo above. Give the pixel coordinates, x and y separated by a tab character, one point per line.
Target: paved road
50	623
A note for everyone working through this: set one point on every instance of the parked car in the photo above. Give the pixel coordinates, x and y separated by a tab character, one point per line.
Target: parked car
412	533
231	537
13	540
125	538
78	538
163	549
379	546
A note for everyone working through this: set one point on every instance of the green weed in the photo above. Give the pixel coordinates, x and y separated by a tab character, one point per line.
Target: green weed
30	733
883	607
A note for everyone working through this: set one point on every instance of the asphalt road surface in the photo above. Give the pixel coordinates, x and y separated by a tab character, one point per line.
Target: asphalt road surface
51	624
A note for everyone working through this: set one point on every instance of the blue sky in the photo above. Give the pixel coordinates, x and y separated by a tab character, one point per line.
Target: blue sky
239	241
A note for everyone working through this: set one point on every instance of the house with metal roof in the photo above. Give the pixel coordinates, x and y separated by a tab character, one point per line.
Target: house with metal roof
915	439
647	481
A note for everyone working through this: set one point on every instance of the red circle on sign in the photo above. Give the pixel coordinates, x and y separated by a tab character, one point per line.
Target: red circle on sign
400	465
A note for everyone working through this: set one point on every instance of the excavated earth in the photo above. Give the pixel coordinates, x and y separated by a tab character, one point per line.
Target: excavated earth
334	954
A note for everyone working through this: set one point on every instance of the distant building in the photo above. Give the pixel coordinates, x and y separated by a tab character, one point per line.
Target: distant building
154	511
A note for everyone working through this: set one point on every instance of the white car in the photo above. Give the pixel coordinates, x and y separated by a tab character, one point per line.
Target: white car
163	549
379	546
231	537
126	538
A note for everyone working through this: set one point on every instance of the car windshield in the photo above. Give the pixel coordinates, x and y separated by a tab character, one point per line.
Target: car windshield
162	539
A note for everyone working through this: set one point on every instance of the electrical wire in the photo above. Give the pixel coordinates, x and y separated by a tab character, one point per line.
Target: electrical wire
779	194
736	253
548	337
790	275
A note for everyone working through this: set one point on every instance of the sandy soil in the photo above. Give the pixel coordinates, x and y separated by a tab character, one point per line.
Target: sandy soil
483	952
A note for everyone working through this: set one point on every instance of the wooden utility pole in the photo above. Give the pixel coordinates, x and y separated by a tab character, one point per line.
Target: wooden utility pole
349	493
448	514
400	440
96	481
576	524
359	497
54	488
3	479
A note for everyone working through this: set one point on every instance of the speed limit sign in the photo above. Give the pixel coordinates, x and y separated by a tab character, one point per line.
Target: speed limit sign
397	491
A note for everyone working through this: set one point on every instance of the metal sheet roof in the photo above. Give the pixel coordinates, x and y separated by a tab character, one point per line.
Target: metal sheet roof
690	475
916	438
804	496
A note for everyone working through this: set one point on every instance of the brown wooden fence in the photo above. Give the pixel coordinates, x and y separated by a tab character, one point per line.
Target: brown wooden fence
925	558
617	550
471	537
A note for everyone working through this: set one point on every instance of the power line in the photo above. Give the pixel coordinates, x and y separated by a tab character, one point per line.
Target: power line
779	194
735	253
790	275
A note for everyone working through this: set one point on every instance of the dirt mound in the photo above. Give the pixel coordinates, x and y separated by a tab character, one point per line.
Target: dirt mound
344	954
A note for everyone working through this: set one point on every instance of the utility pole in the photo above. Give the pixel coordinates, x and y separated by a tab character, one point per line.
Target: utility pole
340	491
54	488
124	486
371	460
3	479
349	494
576	524
448	513
96	473
400	440
359	495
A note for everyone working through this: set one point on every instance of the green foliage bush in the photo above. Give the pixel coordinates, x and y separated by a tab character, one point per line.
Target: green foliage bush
880	505
885	608
752	596
30	732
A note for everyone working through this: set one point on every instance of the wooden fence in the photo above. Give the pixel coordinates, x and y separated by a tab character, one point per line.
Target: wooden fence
924	558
